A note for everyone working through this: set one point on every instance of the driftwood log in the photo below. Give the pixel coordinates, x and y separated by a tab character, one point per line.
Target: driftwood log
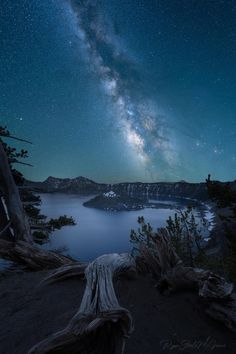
172	275
101	325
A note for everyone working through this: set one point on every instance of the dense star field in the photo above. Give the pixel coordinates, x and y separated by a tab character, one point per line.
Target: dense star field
121	90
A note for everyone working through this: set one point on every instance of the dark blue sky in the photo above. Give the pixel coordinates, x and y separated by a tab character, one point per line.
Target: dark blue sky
121	90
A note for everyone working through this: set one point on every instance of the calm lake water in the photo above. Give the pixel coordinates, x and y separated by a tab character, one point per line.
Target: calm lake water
97	232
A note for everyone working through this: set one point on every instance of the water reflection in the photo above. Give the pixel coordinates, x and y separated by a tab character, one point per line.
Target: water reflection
97	231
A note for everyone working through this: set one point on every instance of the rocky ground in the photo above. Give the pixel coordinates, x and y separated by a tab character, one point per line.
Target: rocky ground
163	324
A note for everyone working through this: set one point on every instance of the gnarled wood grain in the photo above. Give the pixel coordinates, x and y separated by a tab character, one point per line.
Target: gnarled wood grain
101	325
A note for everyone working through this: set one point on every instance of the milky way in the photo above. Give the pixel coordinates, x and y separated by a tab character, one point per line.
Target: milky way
121	90
137	117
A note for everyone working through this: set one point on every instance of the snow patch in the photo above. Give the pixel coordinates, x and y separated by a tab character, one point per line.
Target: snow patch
110	194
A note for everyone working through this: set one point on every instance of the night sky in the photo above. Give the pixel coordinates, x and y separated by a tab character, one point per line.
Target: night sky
121	90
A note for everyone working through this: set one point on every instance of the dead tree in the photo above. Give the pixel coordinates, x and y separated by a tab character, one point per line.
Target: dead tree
101	325
172	275
10	193
18	246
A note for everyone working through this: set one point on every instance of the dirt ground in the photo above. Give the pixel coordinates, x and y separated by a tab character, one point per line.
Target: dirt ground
163	324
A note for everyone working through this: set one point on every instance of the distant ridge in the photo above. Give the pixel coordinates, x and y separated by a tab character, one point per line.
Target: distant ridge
84	186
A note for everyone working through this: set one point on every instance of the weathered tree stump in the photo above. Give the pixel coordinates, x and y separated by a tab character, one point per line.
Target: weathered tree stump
220	299
101	325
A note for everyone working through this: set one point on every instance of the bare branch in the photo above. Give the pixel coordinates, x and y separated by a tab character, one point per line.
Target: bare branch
15	138
22	163
5	228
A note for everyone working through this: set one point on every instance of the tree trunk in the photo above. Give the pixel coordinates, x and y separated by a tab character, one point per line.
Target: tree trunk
5	223
30	256
19	221
19	247
101	325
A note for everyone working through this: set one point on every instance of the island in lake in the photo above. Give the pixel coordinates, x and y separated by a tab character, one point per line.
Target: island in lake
115	202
